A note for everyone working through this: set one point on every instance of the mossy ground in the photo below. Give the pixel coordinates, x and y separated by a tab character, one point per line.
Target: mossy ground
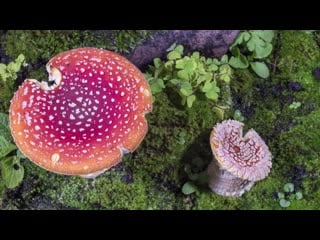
177	143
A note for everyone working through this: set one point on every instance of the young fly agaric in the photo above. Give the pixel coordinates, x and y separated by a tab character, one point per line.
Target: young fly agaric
240	160
89	115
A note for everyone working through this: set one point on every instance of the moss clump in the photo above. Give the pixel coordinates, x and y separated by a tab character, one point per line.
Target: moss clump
299	51
44	44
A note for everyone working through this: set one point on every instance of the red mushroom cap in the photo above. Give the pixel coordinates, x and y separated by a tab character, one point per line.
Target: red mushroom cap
91	115
245	157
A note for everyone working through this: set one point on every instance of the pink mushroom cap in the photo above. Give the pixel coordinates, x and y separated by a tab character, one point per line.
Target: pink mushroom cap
92	114
246	157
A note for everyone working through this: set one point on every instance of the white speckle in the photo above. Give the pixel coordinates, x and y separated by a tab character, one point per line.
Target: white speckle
72	105
25	91
112	99
98	92
116	91
96	101
110	122
37	128
100	120
79	123
84	151
32	143
51	117
87	124
79	99
126	115
90	74
55	158
73	137
95	108
60	122
24	104
115	126
118	78
82	70
100	126
99	139
72	117
122	94
110	85
104	97
101	73
135	117
81	116
81	129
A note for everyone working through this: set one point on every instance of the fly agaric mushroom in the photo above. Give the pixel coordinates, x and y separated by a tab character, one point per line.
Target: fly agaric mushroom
240	161
88	116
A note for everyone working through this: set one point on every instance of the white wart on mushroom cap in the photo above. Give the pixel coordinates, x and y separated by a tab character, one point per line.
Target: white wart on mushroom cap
91	115
246	157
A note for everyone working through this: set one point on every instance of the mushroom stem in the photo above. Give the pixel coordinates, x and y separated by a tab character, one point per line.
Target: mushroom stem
226	184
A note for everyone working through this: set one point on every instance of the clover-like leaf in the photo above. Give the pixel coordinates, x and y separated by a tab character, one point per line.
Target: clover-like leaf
260	69
188	188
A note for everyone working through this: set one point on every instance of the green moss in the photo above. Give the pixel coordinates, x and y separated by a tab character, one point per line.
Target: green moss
299	51
44	44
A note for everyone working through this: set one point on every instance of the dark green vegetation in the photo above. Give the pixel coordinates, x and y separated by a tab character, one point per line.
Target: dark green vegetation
176	149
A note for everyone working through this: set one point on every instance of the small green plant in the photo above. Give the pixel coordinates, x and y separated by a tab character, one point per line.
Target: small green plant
250	48
295	105
11	170
237	115
289	195
8	75
190	76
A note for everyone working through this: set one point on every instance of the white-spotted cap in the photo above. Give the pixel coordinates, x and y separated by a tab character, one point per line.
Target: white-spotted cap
246	157
91	114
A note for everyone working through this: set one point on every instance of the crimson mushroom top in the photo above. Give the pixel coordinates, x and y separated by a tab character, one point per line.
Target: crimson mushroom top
246	157
91	112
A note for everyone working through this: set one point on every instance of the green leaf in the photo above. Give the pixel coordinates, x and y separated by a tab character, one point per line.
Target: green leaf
157	85
235	51
280	195
188	188
260	69
299	195
6	147
238	116
284	203
246	36
183	74
266	35
195	55
289	187
239	62
262	51
186	89
207	87
219	112
190	66
224	59
173	55
157	62
4	127
213	95
176	82
12	171
211	89
180	63
190	100
172	47
213	67
179	49
20	155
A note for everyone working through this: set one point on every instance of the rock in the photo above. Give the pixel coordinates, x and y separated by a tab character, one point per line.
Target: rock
211	43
